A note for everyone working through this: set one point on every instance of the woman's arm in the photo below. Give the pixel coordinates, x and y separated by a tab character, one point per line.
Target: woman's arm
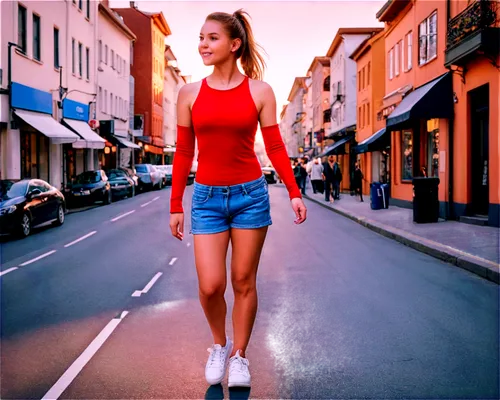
184	152
275	148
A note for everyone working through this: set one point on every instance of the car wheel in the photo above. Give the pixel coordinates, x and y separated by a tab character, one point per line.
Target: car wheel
108	197
25	228
60	215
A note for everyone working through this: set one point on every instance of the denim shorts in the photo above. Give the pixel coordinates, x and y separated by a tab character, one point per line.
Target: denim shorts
218	208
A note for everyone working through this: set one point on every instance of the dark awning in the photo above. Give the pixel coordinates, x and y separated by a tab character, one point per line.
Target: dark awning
432	100
375	142
336	148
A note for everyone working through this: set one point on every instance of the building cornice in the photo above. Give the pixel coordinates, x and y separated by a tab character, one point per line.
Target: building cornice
391	9
108	13
337	40
366	45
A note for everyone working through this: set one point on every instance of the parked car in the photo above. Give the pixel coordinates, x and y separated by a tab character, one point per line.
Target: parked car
131	174
166	170
89	187
269	174
121	184
27	203
149	177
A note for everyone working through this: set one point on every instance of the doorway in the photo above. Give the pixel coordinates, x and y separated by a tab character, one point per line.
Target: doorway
479	108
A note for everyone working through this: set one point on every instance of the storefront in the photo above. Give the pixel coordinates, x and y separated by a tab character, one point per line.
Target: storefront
79	156
119	149
40	136
419	140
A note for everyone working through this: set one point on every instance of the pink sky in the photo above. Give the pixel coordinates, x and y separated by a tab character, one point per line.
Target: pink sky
291	32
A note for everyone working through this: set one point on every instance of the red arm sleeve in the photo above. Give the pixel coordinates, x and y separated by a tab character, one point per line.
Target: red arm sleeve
183	160
276	151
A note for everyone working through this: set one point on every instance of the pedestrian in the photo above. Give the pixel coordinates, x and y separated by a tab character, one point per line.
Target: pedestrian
358	181
316	176
337	173
230	201
329	178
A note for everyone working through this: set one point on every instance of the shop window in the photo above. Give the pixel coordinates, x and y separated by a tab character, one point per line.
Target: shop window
407	156
21	28
34	155
433	147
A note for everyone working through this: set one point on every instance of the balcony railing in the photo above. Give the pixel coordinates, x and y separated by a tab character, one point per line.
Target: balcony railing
479	15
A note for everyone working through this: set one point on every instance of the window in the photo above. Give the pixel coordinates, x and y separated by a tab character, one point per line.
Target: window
111	110
391	63
99	49
21	28
409	39
36	37
101	103
87	57
105	101
363	78
359	81
402	49
407	156
88	9
368	74
427	39
56	48
396	60
368	114
73	65
80	59
113	59
106	54
80	4
359	117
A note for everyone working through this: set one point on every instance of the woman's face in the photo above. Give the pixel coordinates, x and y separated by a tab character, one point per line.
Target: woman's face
215	45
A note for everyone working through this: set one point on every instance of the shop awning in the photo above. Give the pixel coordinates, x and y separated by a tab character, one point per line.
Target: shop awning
432	100
47	125
375	142
336	147
89	139
126	143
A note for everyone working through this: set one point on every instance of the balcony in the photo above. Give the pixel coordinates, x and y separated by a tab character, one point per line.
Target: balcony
473	30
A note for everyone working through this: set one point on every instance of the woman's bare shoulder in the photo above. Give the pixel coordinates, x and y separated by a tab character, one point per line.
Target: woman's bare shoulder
261	87
190	89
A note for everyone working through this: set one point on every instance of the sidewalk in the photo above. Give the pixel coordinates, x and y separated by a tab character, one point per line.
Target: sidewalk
474	248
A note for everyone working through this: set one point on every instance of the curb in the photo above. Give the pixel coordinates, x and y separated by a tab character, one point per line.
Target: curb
477	265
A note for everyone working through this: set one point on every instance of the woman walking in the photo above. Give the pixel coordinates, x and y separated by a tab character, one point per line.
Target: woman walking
230	200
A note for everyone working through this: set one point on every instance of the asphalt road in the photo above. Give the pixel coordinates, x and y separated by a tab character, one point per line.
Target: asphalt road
343	313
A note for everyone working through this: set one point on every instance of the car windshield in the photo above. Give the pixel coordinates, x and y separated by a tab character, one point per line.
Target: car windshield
115	173
141	168
11	189
88	177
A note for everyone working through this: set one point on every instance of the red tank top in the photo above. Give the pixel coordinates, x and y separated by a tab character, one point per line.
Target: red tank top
225	124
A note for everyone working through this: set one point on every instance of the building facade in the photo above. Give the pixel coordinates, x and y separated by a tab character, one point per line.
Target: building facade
114	48
148	70
296	109
472	55
373	149
319	71
52	89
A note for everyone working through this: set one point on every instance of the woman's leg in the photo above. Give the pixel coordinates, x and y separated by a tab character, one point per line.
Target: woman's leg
210	253
246	247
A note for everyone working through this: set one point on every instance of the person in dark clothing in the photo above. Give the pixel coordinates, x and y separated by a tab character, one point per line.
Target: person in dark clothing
357	181
337	172
329	177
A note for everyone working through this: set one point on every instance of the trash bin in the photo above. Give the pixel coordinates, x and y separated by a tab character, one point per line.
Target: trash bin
379	196
425	200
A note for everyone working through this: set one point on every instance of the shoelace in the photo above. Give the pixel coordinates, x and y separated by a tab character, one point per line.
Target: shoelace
214	351
239	365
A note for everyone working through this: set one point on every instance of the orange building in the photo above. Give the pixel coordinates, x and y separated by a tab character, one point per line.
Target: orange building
373	140
472	53
148	70
418	101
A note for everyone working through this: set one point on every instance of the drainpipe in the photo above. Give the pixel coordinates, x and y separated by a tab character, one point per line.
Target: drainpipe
451	130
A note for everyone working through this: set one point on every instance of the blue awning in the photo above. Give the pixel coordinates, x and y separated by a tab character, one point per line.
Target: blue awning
375	142
336	148
432	100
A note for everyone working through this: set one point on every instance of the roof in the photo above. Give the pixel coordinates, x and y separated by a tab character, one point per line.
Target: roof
347	31
391	9
299	82
325	61
366	44
157	17
116	20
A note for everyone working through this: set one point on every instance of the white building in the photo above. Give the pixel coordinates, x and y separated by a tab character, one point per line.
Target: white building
343	79
114	47
297	117
172	83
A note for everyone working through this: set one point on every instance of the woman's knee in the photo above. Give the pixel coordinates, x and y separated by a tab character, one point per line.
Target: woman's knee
211	290
243	285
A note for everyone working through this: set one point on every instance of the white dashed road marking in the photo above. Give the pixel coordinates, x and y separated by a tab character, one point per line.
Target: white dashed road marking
138	293
80	239
156	198
123	215
71	373
146	204
172	261
7	271
37	258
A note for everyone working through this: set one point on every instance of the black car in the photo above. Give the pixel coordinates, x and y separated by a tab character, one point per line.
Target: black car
27	203
89	187
121	184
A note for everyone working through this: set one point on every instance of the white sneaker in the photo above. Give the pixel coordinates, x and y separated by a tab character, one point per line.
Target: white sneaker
218	359
239	375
